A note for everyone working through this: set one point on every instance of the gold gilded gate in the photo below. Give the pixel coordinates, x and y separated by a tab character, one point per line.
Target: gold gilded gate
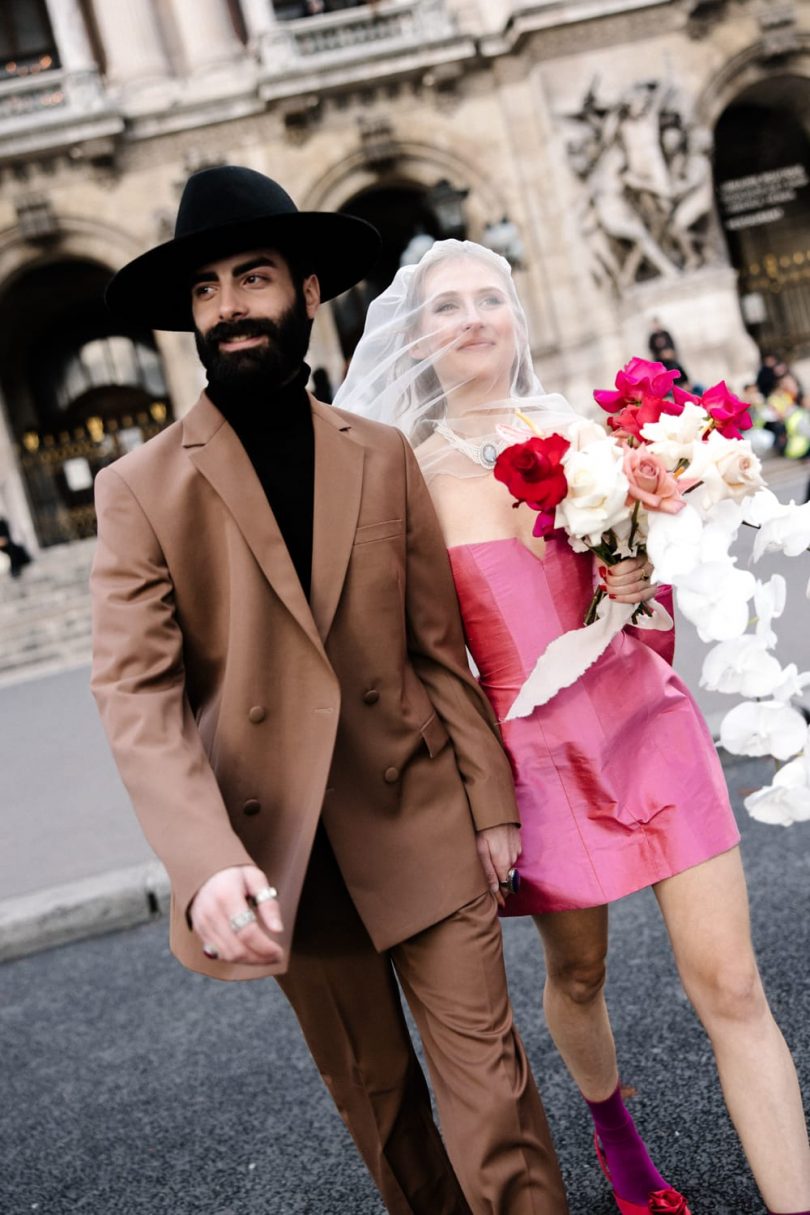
59	469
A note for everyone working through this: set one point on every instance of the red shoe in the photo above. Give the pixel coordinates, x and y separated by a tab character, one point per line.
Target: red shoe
660	1202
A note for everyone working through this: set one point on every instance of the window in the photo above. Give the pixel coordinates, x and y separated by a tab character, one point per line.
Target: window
289	10
26	42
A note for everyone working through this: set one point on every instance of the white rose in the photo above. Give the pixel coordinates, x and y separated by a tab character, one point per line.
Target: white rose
597	491
714	597
725	468
741	666
766	727
673	436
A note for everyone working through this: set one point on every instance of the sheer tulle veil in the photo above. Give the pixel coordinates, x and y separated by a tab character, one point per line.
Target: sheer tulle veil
445	356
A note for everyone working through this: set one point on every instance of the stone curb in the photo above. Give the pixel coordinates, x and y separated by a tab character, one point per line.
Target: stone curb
95	905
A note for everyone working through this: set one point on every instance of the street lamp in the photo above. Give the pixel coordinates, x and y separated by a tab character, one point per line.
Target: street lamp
503	237
447	204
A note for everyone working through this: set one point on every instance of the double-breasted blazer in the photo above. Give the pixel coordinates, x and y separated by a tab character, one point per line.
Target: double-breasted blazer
240	714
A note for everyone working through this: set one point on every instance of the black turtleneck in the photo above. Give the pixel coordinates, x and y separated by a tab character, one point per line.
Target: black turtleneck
276	431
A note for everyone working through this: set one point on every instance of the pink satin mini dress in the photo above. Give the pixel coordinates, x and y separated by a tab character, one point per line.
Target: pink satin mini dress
618	780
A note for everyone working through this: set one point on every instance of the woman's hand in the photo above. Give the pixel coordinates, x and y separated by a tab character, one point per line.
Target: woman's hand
629	581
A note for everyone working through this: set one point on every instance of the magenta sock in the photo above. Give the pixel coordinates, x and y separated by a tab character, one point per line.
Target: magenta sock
633	1175
789	1213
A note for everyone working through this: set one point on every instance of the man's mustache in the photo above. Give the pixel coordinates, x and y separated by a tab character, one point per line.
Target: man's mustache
226	331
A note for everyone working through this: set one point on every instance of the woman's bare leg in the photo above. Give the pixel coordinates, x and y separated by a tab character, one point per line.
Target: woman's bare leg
706	913
575	944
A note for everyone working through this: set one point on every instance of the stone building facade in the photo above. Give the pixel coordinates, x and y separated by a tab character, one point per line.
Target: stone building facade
632	158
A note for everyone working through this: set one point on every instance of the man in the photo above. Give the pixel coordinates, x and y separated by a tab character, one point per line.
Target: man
279	665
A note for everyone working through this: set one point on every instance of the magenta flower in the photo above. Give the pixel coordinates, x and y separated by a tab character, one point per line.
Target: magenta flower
642	388
638	382
731	416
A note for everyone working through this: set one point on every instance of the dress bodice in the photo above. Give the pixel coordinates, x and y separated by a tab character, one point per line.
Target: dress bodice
514	603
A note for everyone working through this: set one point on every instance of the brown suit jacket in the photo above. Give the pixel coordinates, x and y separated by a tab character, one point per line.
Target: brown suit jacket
239	714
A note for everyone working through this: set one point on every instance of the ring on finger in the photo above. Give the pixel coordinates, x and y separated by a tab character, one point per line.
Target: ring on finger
264	895
242	919
511	883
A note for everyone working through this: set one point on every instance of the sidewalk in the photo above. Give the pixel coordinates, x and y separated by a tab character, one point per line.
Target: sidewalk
73	861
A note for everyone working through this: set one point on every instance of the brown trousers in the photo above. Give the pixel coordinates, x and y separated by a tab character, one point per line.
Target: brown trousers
344	993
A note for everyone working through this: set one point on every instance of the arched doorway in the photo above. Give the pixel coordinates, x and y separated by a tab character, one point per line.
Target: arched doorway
762	177
400	212
79	392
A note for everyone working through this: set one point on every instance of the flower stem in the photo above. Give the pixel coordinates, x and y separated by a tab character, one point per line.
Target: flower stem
590	615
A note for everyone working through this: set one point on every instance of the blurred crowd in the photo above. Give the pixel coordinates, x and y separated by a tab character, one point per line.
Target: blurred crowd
779	408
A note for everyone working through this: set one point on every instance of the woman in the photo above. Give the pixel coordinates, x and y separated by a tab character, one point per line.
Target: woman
606	806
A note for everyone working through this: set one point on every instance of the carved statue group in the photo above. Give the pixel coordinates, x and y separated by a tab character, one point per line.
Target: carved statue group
647	179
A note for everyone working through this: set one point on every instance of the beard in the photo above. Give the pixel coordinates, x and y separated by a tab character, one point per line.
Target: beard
263	368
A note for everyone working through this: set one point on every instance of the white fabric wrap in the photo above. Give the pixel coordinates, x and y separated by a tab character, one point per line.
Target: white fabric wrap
569	656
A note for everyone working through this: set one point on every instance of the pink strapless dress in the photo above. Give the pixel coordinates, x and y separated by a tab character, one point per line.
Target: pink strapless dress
618	780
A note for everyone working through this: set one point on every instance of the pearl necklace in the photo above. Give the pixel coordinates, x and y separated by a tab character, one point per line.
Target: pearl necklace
484	453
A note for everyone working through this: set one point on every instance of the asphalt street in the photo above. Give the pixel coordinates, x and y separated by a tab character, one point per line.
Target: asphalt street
129	1085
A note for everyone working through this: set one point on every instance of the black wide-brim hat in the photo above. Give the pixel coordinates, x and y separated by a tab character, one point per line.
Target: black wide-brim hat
222	212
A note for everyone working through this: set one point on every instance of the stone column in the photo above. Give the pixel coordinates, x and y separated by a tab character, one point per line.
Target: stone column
132	41
206	34
260	18
265	32
82	82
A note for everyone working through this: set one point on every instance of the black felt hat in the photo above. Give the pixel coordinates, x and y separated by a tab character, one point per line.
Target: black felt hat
226	210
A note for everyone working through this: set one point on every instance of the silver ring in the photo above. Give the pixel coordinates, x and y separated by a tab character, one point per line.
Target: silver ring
242	919
211	952
265	895
511	884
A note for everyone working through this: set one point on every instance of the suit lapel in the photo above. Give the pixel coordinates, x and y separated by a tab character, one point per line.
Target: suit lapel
338	490
218	454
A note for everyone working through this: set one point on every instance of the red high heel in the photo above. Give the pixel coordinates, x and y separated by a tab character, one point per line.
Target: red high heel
660	1202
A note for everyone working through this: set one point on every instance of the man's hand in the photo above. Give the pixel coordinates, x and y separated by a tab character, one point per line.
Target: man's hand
629	581
498	849
226	895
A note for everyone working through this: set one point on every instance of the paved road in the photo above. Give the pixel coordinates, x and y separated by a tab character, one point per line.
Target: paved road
129	1086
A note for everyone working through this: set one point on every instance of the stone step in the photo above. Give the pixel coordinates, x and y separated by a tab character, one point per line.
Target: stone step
45	613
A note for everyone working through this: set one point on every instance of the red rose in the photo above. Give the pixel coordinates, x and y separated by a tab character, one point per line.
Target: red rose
533	473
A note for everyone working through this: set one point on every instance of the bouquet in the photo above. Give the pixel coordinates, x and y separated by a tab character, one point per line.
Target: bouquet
671	476
605	487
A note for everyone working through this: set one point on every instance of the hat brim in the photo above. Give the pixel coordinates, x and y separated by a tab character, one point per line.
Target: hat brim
154	290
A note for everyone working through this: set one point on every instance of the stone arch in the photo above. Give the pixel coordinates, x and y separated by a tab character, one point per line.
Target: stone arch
413	164
100	390
763	205
423	164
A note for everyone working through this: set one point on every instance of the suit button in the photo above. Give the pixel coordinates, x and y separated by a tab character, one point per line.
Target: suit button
252	806
257	714
391	775
371	696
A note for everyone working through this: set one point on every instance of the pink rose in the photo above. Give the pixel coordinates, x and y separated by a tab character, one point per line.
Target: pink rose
650	483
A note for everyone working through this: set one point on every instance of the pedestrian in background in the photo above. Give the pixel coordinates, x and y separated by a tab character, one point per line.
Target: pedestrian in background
18	555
